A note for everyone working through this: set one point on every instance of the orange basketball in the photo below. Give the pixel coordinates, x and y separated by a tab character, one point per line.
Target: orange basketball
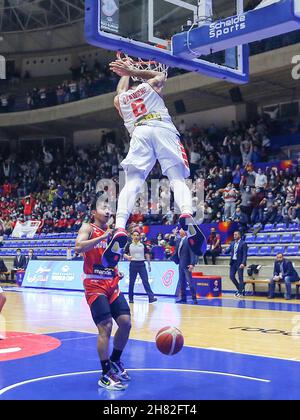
169	340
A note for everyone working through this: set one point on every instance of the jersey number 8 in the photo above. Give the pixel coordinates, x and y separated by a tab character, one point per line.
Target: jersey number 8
138	108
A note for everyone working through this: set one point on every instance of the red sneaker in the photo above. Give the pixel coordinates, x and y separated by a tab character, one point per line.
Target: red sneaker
113	252
196	238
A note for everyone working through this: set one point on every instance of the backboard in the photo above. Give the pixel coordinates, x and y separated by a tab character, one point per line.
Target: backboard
144	28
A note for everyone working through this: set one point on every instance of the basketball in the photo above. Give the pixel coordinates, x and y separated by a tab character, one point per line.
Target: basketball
169	340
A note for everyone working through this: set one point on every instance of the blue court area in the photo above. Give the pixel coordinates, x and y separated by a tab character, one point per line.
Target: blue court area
71	372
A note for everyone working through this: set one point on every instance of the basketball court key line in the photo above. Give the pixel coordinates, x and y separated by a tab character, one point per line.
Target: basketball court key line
19	384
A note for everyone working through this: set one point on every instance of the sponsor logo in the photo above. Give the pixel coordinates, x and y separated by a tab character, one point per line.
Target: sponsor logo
42	270
273	331
227	26
167	278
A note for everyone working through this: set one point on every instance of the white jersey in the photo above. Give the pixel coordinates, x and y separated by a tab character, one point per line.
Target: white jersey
144	106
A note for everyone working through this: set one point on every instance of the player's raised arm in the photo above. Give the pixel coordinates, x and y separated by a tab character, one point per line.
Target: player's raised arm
122	87
125	68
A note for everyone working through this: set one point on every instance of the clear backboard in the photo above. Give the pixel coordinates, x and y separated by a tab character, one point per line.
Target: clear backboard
144	28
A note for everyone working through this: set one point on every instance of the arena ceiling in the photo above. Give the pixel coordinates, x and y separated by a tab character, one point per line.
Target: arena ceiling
28	15
32	15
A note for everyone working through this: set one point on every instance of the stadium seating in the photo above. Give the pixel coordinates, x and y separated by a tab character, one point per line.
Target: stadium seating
51	245
273	238
286	238
292	250
279	249
264	250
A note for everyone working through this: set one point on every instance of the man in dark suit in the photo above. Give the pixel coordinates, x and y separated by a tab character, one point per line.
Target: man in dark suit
19	263
283	271
186	259
238	260
30	257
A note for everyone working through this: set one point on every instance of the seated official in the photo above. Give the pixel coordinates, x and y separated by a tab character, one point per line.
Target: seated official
18	264
30	257
214	247
284	271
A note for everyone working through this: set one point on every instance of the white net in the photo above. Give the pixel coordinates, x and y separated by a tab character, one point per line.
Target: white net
142	64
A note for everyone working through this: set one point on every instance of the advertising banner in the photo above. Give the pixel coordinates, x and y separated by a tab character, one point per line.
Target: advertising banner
68	275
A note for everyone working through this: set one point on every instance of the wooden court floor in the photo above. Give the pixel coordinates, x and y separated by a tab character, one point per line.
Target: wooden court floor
253	326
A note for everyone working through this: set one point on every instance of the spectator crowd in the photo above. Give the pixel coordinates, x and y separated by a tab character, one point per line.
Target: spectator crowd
56	187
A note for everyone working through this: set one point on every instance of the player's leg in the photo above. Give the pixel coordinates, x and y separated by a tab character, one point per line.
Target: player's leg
121	313
100	310
2	299
137	165
134	180
174	164
2	303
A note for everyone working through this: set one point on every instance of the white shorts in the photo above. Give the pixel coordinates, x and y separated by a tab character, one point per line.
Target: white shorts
149	144
1	290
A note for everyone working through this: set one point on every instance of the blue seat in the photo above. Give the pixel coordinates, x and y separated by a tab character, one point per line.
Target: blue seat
292	250
261	239
293	227
279	249
265	250
252	251
280	226
250	239
286	238
269	227
274	238
42	251
296	238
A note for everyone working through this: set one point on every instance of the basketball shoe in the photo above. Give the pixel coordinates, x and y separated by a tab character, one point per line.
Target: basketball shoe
111	382
112	254
120	371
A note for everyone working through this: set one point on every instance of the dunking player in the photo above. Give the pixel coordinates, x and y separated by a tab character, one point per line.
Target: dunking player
153	136
2	303
104	298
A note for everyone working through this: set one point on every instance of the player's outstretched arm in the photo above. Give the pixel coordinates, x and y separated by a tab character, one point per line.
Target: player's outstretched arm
125	68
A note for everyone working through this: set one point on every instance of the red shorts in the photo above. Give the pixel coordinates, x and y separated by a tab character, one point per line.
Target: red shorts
95	288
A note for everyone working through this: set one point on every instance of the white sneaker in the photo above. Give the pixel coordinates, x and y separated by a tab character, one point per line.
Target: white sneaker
111	382
2	337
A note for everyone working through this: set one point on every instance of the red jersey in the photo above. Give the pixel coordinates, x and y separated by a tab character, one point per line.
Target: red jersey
105	281
93	258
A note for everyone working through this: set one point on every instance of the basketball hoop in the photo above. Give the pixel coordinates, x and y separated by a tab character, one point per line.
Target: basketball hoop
141	64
